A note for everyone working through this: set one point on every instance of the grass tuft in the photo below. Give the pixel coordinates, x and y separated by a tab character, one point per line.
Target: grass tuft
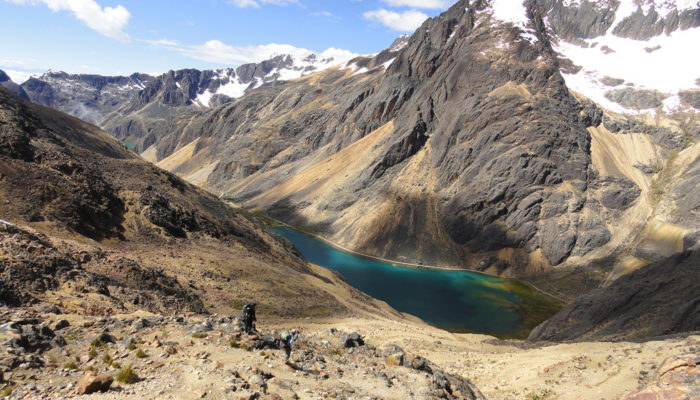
127	375
70	365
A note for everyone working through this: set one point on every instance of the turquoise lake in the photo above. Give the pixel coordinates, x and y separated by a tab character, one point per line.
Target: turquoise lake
447	299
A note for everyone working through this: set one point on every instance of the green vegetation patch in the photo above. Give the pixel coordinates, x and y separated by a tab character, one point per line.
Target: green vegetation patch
127	375
534	309
6	391
70	365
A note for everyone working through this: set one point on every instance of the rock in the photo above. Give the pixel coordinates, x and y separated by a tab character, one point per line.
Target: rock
419	364
636	98
278	387
392	349
61	324
141	323
105	337
351	340
84	358
92	383
128	342
677	378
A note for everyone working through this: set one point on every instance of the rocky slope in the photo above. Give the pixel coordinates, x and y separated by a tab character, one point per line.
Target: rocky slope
54	356
659	299
93	228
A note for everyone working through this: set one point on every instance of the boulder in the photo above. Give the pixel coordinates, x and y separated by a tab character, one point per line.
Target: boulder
92	383
61	324
677	378
351	340
105	337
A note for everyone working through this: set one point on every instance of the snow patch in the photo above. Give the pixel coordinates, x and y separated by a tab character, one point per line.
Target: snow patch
204	98
235	88
510	11
360	71
667	69
672	104
388	63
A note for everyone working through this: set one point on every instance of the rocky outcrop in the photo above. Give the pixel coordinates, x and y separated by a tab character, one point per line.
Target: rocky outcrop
676	378
643	25
33	267
635	98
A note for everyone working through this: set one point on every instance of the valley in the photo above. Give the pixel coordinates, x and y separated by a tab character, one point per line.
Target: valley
533	168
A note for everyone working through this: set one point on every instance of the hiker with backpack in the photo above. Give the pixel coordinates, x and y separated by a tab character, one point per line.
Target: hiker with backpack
287	339
248	316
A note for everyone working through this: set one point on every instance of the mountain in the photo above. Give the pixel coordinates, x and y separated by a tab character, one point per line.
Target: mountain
89	97
133	108
89	227
467	143
7	83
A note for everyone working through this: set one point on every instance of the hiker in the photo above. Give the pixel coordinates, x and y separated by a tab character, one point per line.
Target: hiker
287	340
248	316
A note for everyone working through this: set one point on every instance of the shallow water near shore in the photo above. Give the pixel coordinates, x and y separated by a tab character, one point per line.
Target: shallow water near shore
454	300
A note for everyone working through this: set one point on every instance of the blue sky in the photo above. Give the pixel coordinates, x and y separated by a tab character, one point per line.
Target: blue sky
118	37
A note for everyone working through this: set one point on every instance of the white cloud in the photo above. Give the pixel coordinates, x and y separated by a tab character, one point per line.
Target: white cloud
216	51
256	3
407	21
160	42
19	76
108	21
427	4
245	3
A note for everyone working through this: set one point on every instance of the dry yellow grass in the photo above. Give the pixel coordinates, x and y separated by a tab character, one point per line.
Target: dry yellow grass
511	89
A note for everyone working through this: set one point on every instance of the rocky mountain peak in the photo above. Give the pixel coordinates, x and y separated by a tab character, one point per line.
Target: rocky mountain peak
4	77
7	83
400	42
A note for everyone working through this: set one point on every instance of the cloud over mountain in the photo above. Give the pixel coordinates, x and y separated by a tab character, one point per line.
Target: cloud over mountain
407	21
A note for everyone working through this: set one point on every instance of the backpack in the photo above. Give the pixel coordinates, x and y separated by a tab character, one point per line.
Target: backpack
285	336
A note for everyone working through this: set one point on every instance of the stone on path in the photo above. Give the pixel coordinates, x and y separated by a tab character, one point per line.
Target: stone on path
92	383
